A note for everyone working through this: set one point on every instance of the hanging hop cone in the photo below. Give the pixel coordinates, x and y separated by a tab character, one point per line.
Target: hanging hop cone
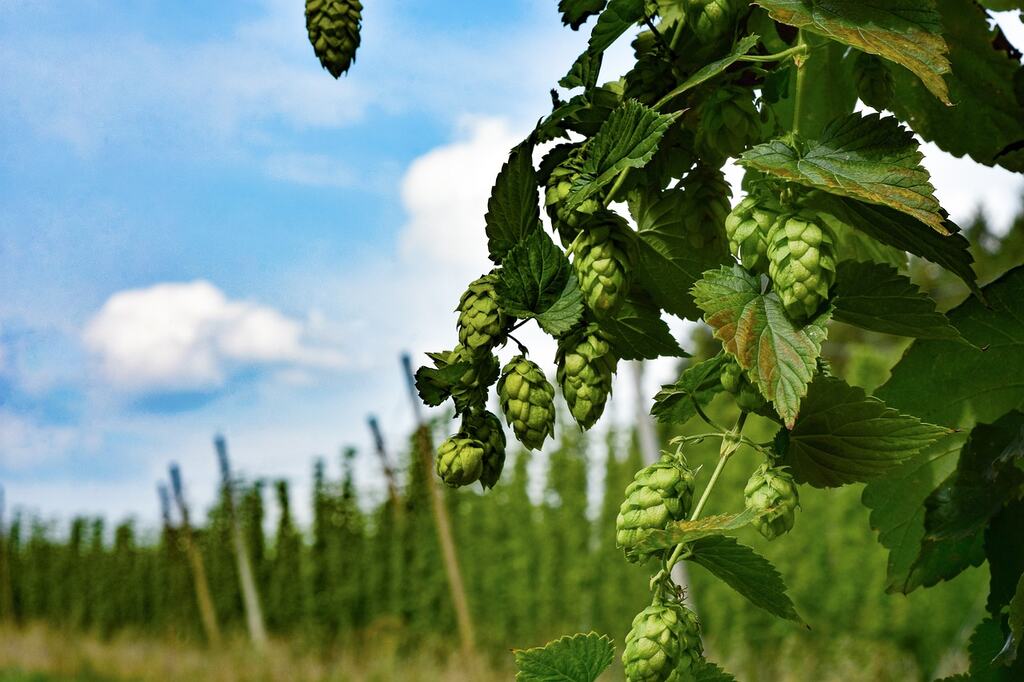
747	227
604	256
527	399
772	488
586	364
333	27
712	19
471	389
729	122
660	493
663	644
481	323
705	207
801	262
460	460
486	428
875	85
565	220
734	380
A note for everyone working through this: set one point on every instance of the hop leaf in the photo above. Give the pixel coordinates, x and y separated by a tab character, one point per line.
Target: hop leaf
747	227
801	262
481	321
604	257
659	494
333	27
485	427
586	364
772	492
460	460
663	644
527	399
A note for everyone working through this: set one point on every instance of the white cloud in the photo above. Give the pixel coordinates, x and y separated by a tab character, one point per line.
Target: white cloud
191	336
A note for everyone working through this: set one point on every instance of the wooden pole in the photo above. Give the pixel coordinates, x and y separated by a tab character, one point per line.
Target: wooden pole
389	472
195	558
425	446
250	594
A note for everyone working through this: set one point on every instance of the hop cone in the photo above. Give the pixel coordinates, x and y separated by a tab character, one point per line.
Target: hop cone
603	256
663	645
484	427
729	122
801	262
470	390
705	208
527	399
460	460
481	321
735	381
659	493
333	27
567	221
772	487
747	227
875	85
586	364
712	19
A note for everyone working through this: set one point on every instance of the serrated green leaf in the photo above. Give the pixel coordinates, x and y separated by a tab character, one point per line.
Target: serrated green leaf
576	12
579	658
845	436
853	244
637	332
566	311
745	571
863	157
1015	619
947	383
712	69
1005	554
533	276
688	531
669	265
780	357
513	211
706	671
828	92
987	116
897	500
908	32
904	232
628	139
876	297
987	642
615	20
697	385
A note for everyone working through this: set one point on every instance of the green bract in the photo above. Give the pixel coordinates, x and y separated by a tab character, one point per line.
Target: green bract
663	644
586	364
333	27
460	460
747	227
773	491
801	262
659	494
481	322
604	255
728	122
527	399
485	427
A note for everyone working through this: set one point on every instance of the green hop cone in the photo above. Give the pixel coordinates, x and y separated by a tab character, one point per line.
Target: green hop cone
705	207
731	377
735	381
333	27
471	389
712	19
586	364
485	427
527	399
567	221
772	488
481	322
875	85
729	122
663	644
460	460
747	227
659	494
604	255
801	262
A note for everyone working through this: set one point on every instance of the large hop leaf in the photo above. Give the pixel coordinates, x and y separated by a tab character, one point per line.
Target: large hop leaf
663	644
659	494
728	122
527	399
772	493
586	364
801	262
481	321
486	428
875	85
604	257
333	27
460	460
747	227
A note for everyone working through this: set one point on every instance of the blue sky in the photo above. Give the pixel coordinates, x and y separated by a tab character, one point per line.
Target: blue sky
202	231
